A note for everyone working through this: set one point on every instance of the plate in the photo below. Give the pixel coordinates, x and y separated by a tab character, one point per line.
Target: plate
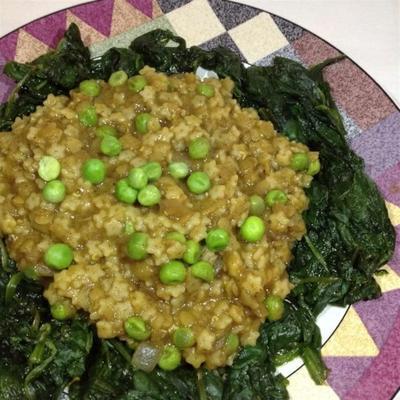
361	345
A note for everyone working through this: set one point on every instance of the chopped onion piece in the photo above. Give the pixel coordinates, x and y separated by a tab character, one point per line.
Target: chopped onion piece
146	357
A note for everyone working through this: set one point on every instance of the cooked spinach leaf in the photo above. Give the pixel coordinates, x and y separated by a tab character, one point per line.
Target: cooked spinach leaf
349	237
116	59
41	354
56	72
59	71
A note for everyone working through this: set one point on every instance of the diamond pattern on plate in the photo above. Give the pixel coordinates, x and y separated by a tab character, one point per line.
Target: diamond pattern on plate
262	27
345	371
389	281
50	30
28	47
302	387
196	22
126	17
394	213
378	316
89	34
350	339
97	14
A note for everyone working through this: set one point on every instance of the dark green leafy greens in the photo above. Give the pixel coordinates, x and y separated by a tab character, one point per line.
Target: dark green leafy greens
56	72
349	237
38	353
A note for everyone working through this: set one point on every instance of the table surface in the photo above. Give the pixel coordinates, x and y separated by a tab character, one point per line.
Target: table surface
368	31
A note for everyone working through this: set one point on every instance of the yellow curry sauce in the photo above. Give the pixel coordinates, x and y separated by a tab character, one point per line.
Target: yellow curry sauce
246	157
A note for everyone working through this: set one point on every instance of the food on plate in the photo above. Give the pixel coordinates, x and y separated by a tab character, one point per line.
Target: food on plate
156	226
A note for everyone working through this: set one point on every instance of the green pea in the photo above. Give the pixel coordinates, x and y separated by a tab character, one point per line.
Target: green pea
314	168
299	161
257	205
124	193
105	130
203	270
54	192
137	246
59	256
94	171
90	88
170	358
205	89
142	122
192	252
177	236
232	343
199	148
217	239
110	146
252	229
61	311
275	307
178	170
198	182
137	83
173	272
275	196
136	328
183	338
49	168
149	196
153	170
137	178
117	78
88	116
